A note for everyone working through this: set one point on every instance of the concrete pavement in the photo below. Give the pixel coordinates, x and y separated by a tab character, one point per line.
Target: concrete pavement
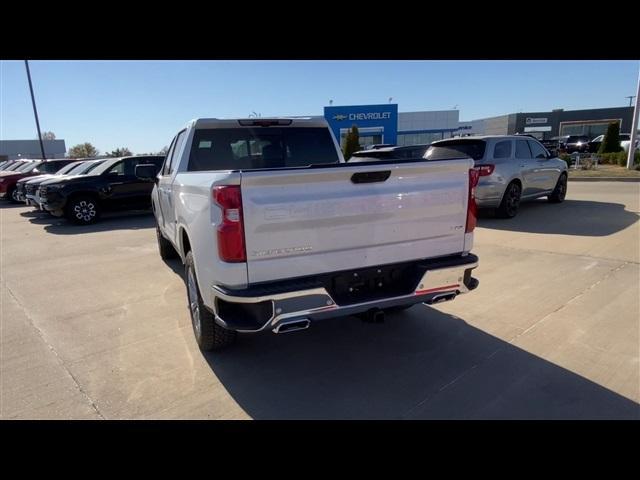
94	325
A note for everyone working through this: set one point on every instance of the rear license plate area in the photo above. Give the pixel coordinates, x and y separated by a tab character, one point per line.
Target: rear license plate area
373	283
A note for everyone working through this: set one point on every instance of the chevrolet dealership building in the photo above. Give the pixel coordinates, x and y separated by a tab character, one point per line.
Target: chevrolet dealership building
384	124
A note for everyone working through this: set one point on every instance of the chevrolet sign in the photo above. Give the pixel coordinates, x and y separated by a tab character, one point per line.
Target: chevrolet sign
364	116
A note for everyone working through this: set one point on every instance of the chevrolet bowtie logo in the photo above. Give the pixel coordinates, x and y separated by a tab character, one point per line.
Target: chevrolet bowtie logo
339	117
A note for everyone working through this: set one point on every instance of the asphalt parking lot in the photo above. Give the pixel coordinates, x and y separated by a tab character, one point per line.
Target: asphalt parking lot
95	325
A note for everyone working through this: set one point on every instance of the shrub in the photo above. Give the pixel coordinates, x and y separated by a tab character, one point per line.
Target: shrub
611	141
621	158
352	142
608	158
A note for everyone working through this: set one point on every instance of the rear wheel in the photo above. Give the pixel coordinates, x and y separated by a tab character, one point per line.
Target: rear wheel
167	252
510	201
82	210
209	335
13	195
558	194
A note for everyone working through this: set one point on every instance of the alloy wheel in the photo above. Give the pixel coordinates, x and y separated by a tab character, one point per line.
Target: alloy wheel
85	211
562	187
513	199
194	308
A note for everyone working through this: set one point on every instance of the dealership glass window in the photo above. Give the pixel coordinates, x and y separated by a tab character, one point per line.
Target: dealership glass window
502	149
407	139
367	140
589	129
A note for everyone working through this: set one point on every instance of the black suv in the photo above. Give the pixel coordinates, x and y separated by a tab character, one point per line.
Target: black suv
390	153
572	143
110	186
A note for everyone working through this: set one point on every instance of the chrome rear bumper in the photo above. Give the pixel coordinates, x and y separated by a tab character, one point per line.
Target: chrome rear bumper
230	310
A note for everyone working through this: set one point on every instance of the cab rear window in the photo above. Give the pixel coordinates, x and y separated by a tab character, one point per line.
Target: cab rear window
264	147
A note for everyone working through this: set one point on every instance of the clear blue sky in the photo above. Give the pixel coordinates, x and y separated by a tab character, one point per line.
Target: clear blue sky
142	104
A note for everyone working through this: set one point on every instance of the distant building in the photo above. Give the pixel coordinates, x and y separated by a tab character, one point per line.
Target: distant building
545	125
14	149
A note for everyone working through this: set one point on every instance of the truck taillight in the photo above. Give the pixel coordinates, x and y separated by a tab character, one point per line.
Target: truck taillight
474	176
485	170
230	231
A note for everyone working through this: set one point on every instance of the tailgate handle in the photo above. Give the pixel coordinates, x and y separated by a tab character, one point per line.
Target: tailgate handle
371	177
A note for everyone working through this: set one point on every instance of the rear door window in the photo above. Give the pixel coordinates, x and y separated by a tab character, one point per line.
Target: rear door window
167	159
537	150
502	149
175	154
522	149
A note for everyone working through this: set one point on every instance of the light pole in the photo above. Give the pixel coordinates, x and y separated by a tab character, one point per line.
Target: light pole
634	127
35	111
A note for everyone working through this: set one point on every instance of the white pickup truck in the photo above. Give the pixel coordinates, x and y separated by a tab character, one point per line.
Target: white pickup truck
276	231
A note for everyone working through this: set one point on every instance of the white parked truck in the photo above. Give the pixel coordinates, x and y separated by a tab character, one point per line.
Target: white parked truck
276	231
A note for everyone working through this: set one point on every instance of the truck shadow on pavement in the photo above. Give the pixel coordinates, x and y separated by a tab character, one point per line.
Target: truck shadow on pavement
108	222
572	217
418	364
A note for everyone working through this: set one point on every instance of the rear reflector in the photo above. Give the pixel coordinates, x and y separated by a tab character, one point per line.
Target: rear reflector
485	170
474	176
230	231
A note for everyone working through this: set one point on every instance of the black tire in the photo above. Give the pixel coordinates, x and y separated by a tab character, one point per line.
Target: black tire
209	335
11	195
82	210
167	252
560	192
510	201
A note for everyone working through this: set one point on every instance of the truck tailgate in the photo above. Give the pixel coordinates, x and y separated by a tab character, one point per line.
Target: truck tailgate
308	221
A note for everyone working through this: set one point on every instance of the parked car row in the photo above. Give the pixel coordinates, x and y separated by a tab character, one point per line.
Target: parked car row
78	189
583	143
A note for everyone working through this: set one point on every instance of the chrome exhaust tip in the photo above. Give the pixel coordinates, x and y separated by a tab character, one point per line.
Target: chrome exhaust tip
444	297
292	326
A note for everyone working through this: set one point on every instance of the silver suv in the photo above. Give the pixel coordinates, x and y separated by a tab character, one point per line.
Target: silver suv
512	168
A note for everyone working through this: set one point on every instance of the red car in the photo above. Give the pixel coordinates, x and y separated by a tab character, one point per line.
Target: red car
9	178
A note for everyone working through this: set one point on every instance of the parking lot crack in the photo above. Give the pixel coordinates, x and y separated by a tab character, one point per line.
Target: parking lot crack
579	255
55	353
572	299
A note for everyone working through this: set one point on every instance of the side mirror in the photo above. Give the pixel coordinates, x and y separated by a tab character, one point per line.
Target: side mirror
146	172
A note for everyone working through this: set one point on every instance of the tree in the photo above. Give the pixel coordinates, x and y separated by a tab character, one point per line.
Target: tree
48	136
83	150
120	152
351	142
611	141
163	151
